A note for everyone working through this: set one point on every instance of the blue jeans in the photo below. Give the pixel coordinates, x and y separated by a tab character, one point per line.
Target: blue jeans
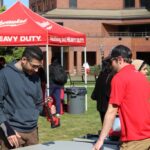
55	91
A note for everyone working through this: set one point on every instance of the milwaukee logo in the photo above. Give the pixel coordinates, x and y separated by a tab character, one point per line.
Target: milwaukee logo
12	23
45	24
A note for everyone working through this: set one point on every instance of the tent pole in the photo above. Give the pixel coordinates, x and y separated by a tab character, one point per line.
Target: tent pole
47	68
85	78
62	55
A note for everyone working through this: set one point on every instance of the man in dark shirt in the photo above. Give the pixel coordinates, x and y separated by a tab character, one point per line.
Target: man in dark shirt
20	100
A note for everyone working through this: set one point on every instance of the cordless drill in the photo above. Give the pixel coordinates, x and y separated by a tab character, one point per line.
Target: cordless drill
52	118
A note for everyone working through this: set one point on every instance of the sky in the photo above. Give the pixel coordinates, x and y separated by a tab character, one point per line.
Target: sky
9	3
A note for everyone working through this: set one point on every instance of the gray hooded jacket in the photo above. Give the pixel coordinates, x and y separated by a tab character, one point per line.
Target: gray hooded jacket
20	98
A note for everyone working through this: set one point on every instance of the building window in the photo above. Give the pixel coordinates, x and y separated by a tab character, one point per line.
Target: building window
91	58
33	7
60	23
129	3
39	8
73	3
143	3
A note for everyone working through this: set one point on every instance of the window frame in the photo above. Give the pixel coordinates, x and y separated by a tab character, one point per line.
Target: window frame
72	3
141	2
129	5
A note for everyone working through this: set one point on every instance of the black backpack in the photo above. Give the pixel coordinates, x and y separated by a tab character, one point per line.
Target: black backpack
58	74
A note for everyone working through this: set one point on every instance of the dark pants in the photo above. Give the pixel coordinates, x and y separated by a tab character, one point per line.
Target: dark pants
30	138
55	91
102	116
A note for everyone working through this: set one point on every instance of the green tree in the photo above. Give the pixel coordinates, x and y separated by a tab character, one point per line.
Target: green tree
11	53
3	8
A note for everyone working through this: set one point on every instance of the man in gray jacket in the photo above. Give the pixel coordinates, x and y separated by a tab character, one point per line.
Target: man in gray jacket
20	100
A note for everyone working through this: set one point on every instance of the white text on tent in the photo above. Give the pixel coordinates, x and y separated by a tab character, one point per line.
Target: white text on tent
30	38
20	38
8	38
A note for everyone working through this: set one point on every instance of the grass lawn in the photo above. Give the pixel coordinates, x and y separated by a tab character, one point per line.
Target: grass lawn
71	125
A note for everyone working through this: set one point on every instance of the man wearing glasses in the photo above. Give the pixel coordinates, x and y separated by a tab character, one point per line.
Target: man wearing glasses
130	96
20	100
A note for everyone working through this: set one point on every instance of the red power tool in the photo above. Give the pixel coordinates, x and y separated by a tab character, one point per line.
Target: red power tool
52	118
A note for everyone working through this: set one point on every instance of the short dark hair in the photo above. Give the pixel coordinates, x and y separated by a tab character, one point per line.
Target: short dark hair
55	60
106	65
2	59
31	52
122	51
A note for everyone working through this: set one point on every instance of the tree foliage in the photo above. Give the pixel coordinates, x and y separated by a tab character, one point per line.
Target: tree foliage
3	8
11	53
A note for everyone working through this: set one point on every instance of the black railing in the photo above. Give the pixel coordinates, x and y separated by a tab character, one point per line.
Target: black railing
119	34
129	34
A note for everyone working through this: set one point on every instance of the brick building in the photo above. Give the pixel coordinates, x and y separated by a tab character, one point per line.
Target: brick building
106	23
1	3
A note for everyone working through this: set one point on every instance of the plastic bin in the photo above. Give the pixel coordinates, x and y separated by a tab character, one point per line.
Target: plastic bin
76	99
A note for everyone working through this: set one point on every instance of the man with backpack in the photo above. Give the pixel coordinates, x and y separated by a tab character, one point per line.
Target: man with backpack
58	78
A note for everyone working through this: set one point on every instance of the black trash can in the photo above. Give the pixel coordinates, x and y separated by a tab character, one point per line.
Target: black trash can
76	99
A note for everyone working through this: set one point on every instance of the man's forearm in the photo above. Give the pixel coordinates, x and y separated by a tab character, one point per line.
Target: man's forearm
108	122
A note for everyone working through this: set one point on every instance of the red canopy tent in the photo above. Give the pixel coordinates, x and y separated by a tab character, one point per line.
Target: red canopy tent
19	26
58	35
17	29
